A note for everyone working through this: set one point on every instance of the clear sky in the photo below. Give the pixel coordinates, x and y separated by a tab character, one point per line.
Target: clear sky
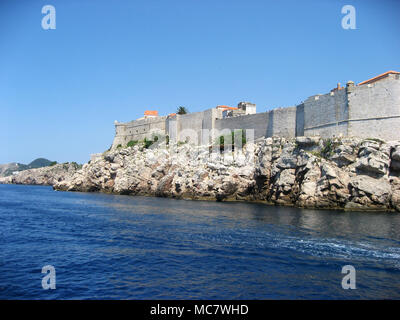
62	89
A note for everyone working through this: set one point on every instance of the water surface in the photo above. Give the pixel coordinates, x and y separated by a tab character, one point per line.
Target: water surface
122	247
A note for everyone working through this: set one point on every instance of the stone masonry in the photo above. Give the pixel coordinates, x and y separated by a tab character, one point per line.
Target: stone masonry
368	110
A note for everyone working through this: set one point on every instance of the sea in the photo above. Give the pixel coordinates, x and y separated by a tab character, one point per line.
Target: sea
74	245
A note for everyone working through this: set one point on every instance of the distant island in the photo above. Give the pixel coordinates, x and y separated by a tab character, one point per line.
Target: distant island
10	168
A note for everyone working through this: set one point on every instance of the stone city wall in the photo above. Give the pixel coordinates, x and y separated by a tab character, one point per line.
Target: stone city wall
368	110
374	110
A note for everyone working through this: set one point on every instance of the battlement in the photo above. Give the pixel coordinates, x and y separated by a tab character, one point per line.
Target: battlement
369	109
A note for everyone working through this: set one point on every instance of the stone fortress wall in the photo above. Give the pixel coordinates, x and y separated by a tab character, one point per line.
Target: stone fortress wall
137	129
326	115
368	110
374	109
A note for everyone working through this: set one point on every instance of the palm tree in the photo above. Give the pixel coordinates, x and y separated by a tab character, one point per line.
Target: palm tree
181	110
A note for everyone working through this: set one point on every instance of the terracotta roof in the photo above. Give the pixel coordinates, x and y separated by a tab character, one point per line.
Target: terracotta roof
172	115
151	113
379	77
227	108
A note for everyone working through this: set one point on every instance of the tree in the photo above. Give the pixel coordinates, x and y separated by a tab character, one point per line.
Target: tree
181	110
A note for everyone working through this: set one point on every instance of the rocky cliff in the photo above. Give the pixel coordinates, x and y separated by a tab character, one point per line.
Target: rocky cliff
8	169
43	176
343	173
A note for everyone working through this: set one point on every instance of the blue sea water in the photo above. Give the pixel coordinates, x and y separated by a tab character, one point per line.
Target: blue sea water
122	247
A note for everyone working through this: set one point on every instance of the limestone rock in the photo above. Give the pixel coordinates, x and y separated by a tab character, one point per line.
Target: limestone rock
307	141
43	176
357	174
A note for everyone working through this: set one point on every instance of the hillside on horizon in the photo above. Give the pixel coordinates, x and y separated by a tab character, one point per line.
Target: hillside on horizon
8	169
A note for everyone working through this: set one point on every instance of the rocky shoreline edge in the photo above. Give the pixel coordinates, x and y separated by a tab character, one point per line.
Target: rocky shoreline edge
306	172
46	176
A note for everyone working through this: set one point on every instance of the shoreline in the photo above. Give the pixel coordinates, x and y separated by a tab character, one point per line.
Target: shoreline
346	174
260	202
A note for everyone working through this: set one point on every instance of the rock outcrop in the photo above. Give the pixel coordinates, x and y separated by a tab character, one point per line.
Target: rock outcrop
43	176
346	173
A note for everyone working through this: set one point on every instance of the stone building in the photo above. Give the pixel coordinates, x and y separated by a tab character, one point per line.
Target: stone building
369	109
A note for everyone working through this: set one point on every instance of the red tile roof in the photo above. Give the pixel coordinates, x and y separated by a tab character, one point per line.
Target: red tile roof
151	113
379	77
227	108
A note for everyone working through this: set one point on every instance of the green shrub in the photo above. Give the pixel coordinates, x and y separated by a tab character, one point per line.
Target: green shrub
243	135
241	132
147	143
53	163
328	147
119	146
76	165
315	153
132	143
182	110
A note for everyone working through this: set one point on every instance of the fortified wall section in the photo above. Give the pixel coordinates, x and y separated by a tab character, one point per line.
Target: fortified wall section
171	128
282	122
209	133
278	122
300	120
326	115
194	127
370	110
190	127
374	109
257	121
366	111
137	130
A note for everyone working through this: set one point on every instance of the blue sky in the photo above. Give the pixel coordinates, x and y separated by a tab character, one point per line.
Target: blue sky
61	90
